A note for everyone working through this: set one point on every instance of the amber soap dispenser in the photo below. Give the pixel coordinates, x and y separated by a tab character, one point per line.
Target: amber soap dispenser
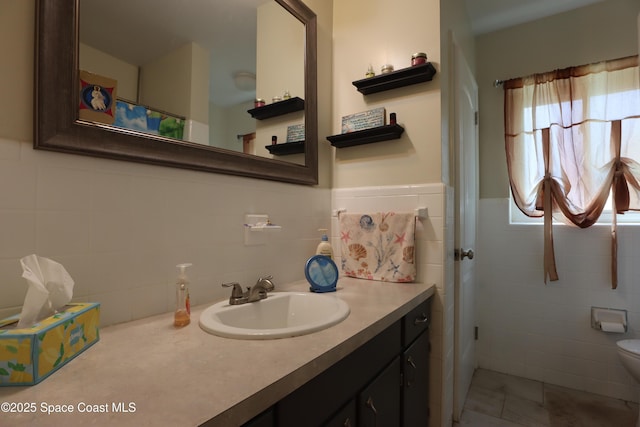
182	316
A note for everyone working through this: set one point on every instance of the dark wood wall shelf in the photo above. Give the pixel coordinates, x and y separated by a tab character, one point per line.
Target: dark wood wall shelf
367	136
395	79
277	108
286	148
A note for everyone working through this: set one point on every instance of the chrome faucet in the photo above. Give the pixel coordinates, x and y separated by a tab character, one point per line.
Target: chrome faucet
256	293
260	289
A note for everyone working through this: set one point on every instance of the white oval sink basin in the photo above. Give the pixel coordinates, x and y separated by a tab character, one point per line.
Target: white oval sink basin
281	315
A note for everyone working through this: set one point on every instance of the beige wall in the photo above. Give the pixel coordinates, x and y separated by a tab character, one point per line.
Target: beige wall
98	62
16	81
279	68
226	123
178	83
604	30
377	32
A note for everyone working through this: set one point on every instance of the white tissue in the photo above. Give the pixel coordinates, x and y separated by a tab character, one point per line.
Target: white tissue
612	327
50	289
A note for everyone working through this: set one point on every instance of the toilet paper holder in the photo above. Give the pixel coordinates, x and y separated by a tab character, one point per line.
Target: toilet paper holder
609	319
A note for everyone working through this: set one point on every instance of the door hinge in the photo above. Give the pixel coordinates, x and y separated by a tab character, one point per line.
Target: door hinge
476	118
475	333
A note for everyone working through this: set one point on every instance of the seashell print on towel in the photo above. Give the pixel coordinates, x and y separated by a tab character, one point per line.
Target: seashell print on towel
378	246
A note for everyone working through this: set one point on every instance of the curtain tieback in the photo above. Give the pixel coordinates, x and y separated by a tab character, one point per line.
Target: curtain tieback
549	255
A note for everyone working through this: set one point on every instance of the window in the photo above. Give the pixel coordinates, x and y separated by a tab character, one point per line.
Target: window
572	140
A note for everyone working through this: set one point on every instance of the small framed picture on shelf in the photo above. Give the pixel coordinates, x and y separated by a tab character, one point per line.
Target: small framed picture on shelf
295	133
364	120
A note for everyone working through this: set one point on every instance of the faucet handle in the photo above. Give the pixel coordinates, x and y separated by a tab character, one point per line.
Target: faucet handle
237	289
267	282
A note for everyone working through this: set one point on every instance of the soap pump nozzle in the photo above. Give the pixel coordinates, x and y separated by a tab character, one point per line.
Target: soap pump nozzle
324	247
182	316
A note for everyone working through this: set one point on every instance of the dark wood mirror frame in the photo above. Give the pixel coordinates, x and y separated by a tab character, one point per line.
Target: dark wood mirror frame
57	127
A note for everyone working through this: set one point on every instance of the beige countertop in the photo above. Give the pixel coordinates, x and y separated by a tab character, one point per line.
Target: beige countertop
167	376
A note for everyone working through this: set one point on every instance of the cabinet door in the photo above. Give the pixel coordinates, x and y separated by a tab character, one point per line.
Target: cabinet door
379	402
346	417
415	390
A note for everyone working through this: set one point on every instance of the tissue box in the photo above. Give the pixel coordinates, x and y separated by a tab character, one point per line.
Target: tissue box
29	355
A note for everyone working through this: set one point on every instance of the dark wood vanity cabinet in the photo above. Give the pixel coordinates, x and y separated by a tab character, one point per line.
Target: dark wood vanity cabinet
384	382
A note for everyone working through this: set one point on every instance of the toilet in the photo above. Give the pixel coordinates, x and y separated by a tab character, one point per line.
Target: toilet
629	353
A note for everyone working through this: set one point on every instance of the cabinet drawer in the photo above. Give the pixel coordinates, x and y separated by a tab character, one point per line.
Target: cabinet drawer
415	322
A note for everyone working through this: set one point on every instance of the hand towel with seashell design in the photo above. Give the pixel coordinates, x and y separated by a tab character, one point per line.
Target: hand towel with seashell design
378	246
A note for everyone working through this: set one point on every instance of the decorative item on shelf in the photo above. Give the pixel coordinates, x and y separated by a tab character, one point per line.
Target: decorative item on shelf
276	99
274	140
364	120
386	68
259	102
286	95
370	72
392	118
418	58
295	133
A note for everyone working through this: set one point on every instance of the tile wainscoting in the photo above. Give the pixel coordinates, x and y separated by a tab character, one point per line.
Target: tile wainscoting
543	332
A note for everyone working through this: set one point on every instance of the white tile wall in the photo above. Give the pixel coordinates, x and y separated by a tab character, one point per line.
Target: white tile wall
431	237
543	332
120	228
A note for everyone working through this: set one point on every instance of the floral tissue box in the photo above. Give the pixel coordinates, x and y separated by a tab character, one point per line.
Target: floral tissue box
29	355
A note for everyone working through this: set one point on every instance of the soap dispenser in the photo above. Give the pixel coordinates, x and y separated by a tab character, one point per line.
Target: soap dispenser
324	247
182	316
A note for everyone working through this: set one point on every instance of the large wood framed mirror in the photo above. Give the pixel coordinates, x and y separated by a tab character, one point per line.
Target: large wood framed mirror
59	89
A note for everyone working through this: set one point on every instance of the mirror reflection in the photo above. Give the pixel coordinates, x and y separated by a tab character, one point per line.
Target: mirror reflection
193	71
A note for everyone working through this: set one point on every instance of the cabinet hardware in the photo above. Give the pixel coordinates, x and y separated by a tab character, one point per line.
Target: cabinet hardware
413	365
370	405
422	319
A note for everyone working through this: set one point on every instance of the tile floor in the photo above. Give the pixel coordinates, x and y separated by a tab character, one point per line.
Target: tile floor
500	400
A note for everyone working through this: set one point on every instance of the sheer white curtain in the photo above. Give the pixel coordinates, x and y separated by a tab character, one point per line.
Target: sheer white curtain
571	137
